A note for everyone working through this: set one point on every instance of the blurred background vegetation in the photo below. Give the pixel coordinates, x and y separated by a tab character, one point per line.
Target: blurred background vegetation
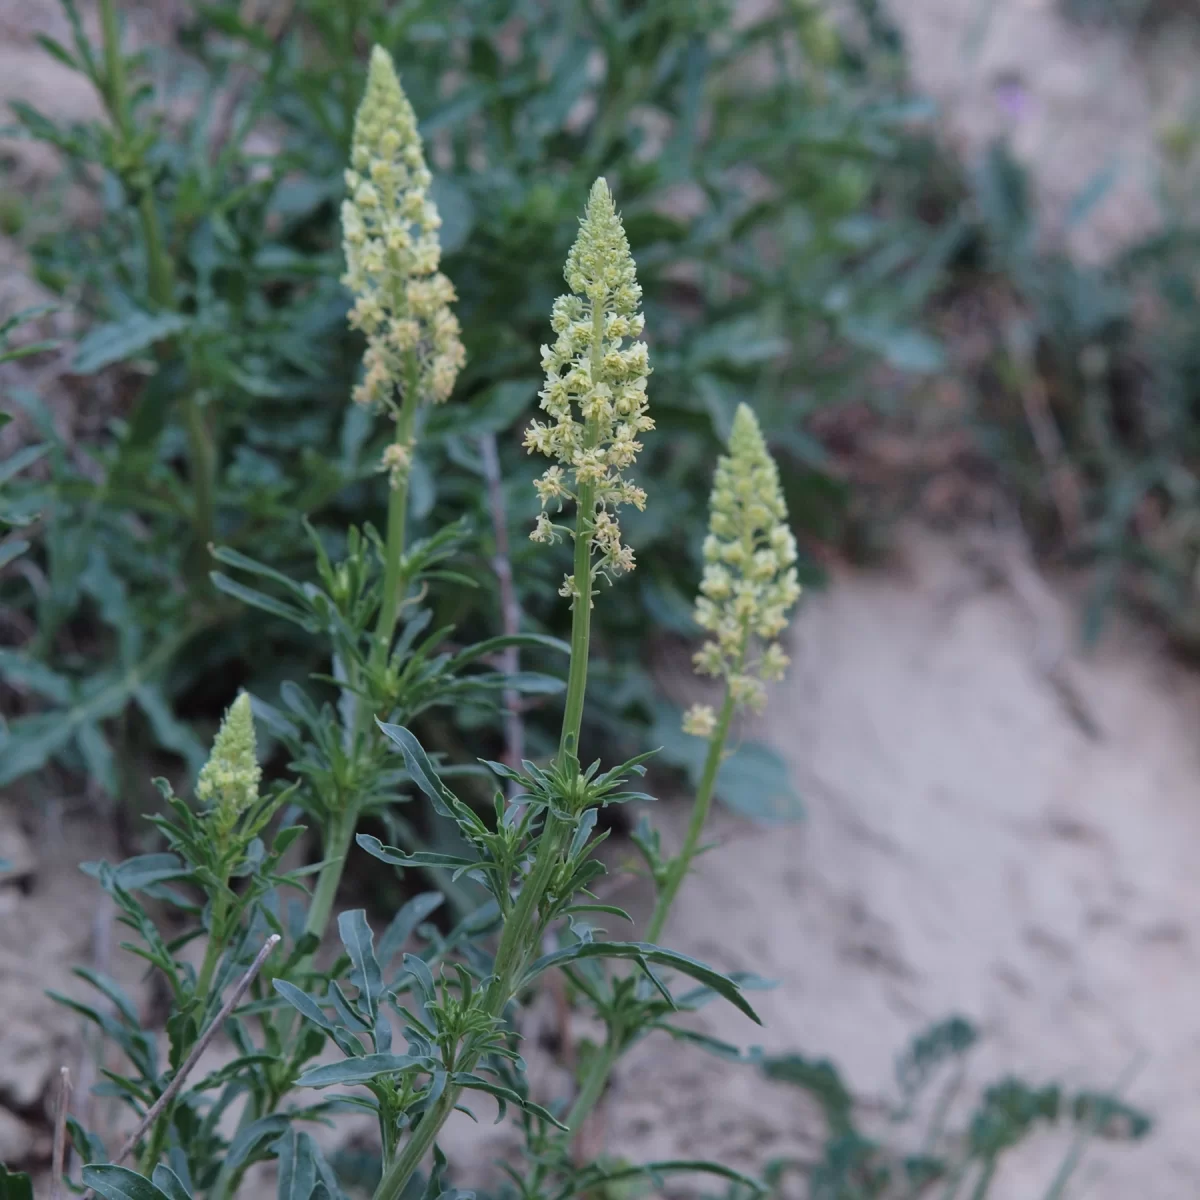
760	167
804	241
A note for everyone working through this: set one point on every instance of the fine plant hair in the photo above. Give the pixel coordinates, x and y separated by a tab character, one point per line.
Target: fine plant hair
407	1023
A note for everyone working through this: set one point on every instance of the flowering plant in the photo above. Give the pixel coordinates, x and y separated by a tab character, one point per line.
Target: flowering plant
414	1020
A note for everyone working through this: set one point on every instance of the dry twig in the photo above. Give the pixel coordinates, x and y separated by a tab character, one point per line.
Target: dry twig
60	1133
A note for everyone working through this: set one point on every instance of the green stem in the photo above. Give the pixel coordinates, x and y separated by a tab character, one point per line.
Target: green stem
154	1148
396	1177
337	846
678	868
516	938
212	955
202	464
160	275
581	629
594	1082
394	581
596	1078
112	86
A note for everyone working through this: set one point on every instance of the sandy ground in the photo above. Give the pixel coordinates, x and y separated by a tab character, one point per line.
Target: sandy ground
1077	103
968	848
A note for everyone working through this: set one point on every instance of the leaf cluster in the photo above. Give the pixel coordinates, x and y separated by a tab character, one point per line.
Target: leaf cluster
210	277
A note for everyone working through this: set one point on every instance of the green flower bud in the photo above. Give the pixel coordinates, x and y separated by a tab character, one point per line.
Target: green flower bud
595	392
228	782
749	581
390	236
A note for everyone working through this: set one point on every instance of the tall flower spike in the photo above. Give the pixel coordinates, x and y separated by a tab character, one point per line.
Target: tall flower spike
228	782
389	228
595	391
749	581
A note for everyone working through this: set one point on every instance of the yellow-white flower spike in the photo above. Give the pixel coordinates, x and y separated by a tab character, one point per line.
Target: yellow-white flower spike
228	782
390	234
595	391
749	582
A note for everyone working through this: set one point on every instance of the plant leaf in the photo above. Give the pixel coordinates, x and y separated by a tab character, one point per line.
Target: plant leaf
302	1003
405	922
120	1183
360	1070
359	941
645	953
169	1183
121	340
504	1094
420	768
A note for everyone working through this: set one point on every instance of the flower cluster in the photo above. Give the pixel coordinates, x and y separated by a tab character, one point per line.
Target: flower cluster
749	581
228	782
389	228
595	392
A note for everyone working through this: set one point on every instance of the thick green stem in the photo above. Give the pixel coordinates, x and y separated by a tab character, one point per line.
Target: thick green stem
595	1080
337	846
160	274
596	1077
113	89
154	1147
396	1177
679	865
212	955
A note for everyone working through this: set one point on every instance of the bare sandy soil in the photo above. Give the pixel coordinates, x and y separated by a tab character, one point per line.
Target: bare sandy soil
1076	101
968	848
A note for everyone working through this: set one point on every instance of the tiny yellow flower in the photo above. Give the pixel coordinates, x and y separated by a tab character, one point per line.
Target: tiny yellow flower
389	228
749	582
595	391
228	782
700	721
397	458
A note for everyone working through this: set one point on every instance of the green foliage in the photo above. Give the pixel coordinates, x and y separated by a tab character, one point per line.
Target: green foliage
936	1158
745	160
15	1186
1089	407
411	1025
15	514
